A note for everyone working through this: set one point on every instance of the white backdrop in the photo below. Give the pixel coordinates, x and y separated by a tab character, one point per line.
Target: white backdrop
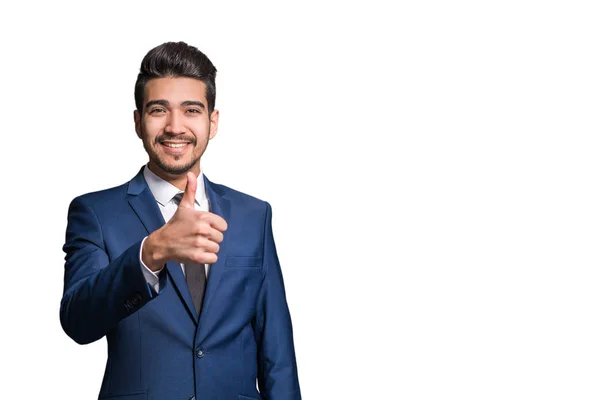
432	166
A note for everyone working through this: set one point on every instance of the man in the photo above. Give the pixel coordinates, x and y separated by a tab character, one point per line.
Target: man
179	273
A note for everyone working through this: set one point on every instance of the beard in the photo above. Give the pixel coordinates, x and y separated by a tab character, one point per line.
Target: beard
170	167
173	169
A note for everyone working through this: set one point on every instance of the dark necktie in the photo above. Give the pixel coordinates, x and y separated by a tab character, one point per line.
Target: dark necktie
195	275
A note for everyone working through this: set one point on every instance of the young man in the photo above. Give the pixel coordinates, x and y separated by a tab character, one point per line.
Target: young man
179	273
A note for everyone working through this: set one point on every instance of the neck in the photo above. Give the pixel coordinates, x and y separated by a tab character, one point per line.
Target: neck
177	180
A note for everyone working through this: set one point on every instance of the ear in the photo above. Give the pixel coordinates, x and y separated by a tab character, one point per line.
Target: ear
214	124
137	119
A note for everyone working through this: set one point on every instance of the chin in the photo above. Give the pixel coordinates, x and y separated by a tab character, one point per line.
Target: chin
176	168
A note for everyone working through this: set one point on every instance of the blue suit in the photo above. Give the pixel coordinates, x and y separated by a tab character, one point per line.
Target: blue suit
158	347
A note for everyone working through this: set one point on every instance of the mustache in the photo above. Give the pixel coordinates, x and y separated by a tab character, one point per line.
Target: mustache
163	138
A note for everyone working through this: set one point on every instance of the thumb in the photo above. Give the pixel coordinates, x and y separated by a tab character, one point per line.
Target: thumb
189	195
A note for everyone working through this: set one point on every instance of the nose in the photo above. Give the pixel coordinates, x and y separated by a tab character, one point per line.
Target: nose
175	124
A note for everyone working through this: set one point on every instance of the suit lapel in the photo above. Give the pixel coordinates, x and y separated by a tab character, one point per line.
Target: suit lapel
144	205
176	274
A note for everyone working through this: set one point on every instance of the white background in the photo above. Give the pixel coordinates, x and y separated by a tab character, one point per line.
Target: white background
433	168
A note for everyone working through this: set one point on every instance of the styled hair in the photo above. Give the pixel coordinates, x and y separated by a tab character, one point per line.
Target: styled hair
176	59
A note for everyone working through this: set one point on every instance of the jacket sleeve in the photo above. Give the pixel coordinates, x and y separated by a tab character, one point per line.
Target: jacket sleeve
277	370
98	293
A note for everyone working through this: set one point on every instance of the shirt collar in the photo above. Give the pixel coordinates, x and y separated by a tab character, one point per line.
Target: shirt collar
163	191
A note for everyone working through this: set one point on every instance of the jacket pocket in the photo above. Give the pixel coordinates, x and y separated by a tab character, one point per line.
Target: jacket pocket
131	396
242	397
243	262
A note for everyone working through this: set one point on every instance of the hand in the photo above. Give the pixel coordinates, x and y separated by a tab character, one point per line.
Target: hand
189	236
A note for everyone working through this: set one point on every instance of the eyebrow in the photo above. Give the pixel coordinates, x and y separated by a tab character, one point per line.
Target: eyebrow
165	103
193	103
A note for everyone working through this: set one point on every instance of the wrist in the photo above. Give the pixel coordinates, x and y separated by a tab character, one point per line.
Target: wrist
153	255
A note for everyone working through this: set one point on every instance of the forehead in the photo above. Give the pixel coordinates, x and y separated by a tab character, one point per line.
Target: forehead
176	89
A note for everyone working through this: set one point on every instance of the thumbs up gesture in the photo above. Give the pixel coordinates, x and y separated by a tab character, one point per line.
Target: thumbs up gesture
189	195
189	236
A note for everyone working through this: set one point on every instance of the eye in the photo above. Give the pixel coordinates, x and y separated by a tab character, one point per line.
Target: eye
193	111
156	110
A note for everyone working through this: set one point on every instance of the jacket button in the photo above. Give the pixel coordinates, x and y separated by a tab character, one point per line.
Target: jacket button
199	353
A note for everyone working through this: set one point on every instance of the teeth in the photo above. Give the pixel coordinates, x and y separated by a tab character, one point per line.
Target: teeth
175	145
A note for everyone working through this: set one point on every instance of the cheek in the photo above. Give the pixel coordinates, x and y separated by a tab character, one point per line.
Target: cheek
200	130
150	130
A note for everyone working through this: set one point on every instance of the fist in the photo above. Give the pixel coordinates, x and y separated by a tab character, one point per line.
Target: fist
194	236
189	236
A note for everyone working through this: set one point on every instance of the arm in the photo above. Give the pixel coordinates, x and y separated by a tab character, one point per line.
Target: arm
277	371
97	293
152	277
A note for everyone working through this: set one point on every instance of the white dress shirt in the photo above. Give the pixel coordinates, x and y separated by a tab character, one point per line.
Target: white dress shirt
164	192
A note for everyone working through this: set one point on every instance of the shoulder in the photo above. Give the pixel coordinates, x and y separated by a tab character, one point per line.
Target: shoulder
240	198
102	198
246	206
110	195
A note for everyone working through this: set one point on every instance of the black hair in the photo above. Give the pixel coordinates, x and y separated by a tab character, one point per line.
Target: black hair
176	59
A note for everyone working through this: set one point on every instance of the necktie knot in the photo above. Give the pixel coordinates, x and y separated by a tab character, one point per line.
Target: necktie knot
177	198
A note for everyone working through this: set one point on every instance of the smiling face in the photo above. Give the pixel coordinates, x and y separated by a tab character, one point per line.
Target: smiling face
175	126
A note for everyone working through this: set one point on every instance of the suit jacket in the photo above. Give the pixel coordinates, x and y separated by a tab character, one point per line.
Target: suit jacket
158	347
